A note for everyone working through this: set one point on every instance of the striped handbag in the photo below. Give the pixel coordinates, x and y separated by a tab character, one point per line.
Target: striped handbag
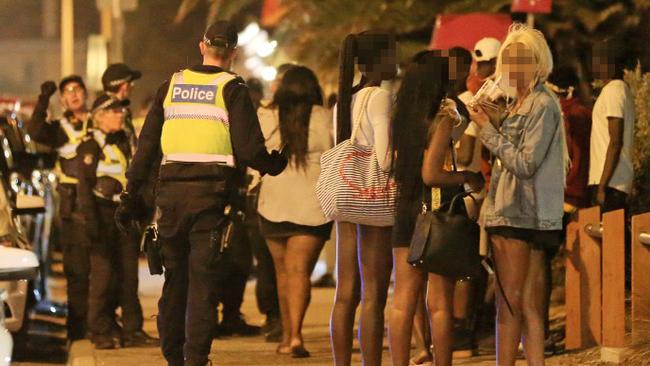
351	186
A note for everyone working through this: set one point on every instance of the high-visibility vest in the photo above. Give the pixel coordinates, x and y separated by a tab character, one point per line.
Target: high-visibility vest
113	164
68	151
196	127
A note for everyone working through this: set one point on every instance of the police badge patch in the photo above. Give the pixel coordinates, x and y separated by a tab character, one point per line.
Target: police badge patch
88	159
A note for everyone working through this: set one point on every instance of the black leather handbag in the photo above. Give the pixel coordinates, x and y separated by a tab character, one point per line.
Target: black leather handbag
446	241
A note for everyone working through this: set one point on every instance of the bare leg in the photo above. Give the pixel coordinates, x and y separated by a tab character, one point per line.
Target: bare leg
421	333
533	309
300	259
408	284
278	249
376	259
347	295
440	302
512	261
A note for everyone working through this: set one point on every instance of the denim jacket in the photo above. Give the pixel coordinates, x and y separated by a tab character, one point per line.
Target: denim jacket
527	185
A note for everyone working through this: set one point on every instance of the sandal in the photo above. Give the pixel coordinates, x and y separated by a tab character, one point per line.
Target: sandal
299	352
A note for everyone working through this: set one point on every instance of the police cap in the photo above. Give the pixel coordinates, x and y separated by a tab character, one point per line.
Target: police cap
117	74
105	101
71	79
221	34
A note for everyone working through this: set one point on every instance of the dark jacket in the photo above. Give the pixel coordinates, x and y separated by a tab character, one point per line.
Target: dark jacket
246	137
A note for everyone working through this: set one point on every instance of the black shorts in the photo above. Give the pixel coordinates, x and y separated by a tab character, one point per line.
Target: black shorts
281	230
537	239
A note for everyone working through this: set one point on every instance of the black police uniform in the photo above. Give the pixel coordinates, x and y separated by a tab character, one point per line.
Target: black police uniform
192	198
76	262
113	255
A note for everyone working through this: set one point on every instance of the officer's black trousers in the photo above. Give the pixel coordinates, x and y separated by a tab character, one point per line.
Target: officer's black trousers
113	276
234	270
266	289
192	214
76	264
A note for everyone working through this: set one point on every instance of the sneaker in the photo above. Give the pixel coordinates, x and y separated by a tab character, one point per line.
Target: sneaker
549	347
325	281
140	339
237	327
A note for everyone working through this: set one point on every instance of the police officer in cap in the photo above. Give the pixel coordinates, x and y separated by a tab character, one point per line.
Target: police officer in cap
118	81
204	123
102	161
64	135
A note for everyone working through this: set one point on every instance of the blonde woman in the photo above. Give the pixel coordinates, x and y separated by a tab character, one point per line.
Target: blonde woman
523	212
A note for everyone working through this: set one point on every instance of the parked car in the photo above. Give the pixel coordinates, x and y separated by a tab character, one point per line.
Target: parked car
17	266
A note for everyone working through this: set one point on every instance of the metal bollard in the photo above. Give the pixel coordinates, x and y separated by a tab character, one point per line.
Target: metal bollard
595	230
644	238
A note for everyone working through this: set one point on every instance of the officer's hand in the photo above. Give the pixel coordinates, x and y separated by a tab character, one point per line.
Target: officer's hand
280	162
130	211
48	88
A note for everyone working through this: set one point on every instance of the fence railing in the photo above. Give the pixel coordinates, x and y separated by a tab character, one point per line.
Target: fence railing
595	280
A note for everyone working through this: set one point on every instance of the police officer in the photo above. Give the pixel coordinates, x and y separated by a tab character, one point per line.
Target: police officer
64	135
102	160
203	121
118	80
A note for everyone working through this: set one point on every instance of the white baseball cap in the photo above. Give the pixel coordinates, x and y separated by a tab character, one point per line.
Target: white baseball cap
486	49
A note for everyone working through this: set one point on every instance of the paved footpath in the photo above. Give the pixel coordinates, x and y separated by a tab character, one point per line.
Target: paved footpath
250	351
232	351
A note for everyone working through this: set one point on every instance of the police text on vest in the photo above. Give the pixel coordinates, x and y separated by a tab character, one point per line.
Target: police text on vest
193	93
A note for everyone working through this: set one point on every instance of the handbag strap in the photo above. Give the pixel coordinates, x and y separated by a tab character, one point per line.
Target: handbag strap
356	122
427	191
498	280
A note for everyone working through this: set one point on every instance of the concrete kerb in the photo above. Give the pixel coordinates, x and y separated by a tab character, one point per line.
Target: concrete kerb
81	353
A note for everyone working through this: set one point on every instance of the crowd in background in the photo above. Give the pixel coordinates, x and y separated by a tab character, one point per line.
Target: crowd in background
529	158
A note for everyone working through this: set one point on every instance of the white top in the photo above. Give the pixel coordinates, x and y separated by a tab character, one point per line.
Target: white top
615	100
375	122
291	196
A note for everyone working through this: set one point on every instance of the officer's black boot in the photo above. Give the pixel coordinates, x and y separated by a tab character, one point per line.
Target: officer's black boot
140	339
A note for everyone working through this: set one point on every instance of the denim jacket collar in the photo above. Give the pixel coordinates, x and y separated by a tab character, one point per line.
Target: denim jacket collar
527	105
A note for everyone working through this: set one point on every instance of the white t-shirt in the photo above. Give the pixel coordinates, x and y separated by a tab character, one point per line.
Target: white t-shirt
615	100
375	122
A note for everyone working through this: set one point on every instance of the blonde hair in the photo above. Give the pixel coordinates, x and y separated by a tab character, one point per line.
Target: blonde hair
535	41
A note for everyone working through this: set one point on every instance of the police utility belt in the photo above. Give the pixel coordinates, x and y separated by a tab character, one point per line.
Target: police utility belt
220	239
226	160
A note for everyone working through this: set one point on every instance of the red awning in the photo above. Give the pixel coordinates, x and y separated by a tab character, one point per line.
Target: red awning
465	30
531	6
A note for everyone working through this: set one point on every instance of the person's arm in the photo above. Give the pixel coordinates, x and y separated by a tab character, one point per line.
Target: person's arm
466	145
38	128
380	108
614	148
148	150
434	173
523	160
245	133
86	162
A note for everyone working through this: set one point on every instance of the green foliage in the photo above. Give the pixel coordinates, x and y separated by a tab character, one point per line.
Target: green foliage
640	84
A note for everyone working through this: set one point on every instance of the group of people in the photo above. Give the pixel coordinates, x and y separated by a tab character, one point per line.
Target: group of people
525	156
100	263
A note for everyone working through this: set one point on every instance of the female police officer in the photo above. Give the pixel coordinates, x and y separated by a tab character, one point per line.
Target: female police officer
204	123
